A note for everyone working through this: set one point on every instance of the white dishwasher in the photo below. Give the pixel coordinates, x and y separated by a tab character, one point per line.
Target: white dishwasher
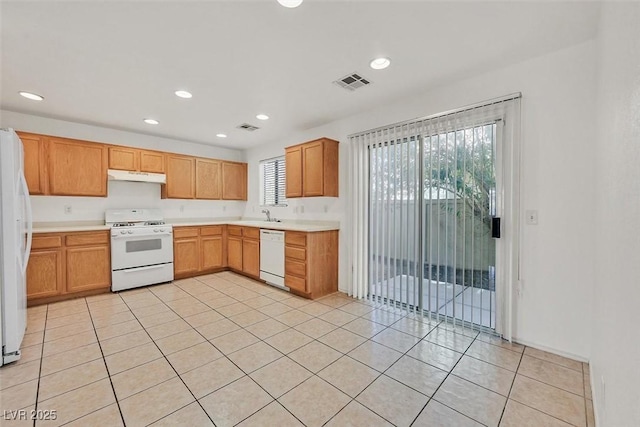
272	257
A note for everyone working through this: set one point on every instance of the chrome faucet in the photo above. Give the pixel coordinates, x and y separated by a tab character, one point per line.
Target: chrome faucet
266	211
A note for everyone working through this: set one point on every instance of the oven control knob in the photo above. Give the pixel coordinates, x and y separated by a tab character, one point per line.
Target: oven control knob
123	232
130	231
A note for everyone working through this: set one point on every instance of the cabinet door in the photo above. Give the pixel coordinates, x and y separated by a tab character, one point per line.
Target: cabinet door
208	179
293	163
234	253
151	161
234	181
186	256
34	162
180	177
124	158
211	253
88	268
312	169
77	168
44	274
251	257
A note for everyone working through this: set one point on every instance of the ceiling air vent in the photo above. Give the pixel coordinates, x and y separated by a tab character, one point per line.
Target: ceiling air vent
248	127
352	82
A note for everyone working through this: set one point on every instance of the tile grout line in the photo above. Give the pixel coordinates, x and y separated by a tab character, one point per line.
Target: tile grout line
44	332
246	374
172	367
313	374
511	387
449	373
104	361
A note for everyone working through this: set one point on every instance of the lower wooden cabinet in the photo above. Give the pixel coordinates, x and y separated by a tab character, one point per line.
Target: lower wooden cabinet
244	250
234	251
198	250
251	257
88	268
186	256
62	265
45	276
311	263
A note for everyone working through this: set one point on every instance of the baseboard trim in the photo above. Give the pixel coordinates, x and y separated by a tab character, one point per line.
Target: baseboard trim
551	350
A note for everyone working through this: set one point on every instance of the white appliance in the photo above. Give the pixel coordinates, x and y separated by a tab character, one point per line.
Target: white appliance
272	257
118	175
16	229
141	248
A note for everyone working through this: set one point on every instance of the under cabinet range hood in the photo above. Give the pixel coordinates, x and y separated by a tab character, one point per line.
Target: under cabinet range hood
118	175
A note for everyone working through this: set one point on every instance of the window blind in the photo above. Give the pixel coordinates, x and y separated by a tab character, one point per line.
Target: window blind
423	194
273	185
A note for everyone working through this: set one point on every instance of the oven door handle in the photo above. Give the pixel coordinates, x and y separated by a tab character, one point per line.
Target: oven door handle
149	267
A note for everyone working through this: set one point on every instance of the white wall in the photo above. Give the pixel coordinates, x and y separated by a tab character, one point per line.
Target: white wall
616	312
558	115
121	194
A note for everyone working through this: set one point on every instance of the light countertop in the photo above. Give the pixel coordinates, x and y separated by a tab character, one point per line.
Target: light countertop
304	226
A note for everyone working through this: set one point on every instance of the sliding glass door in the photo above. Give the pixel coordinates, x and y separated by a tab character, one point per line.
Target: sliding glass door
432	203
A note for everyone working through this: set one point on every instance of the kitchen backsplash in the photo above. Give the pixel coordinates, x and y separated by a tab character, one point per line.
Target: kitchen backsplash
129	195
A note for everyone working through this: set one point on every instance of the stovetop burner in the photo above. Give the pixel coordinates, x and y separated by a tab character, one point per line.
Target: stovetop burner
138	224
124	224
154	223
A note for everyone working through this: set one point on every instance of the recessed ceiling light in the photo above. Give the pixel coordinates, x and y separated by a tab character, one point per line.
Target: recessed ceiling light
31	96
262	117
151	121
221	135
290	3
380	63
183	94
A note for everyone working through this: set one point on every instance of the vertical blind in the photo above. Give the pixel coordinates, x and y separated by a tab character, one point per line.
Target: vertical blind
422	197
273	188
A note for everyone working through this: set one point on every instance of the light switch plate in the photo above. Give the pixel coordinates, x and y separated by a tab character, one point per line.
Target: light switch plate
532	217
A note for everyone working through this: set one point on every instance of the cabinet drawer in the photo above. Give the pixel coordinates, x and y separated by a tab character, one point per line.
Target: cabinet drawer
296	283
87	239
251	232
182	232
44	242
234	230
295	238
295	267
295	253
211	231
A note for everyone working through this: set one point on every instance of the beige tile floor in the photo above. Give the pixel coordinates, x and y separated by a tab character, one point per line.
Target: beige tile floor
225	350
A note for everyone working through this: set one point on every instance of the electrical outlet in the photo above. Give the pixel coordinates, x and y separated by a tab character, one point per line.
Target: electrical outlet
532	217
181	208
326	208
67	209
301	209
224	209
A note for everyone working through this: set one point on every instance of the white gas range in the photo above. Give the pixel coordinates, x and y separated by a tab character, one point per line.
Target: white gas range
141	248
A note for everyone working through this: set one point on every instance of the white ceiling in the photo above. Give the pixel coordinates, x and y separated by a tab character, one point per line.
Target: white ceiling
115	63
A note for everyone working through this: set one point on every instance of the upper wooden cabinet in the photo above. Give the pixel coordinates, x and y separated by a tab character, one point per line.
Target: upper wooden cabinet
312	169
66	167
208	179
151	161
34	162
136	160
234	181
180	177
77	168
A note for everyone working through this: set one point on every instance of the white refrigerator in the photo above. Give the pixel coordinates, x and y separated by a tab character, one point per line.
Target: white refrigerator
15	245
